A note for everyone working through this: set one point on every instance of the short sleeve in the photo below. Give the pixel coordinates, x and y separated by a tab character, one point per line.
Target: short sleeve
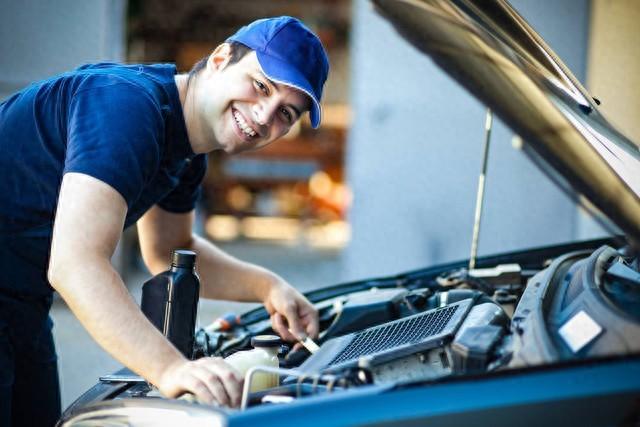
183	198
113	134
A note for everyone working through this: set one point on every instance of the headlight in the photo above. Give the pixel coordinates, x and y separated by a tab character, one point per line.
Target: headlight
144	413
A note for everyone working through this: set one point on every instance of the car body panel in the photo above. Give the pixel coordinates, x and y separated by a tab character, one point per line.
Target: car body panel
584	394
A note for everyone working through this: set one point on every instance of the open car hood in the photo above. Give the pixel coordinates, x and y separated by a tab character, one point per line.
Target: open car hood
490	50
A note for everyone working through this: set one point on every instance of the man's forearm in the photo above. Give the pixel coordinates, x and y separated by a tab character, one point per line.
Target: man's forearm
97	296
222	276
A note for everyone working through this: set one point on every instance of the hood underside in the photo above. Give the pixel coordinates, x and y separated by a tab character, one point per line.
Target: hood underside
491	51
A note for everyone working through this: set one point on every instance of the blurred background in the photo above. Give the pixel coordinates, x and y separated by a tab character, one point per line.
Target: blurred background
387	184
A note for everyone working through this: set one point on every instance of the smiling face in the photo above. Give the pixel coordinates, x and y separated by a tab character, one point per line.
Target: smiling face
236	108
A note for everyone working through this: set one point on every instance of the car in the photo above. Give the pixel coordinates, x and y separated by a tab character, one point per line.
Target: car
548	335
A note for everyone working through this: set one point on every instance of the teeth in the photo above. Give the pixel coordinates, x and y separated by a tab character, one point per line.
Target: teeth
243	125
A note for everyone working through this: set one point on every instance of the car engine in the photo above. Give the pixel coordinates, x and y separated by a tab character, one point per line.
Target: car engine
432	325
533	308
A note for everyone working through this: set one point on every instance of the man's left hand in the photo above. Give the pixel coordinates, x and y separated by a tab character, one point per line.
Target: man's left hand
292	315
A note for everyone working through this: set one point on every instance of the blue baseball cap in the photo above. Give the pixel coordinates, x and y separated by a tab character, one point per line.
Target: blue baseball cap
290	54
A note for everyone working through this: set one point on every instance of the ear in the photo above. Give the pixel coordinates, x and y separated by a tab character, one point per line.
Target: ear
219	58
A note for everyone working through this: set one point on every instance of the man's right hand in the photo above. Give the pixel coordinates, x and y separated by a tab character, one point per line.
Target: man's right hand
210	379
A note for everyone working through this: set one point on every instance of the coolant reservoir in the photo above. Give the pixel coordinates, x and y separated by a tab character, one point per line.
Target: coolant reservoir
265	354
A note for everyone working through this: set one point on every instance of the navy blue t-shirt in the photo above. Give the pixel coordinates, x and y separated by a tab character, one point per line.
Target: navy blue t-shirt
120	124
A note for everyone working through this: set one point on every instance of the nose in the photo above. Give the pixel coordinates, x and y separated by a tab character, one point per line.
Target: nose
265	110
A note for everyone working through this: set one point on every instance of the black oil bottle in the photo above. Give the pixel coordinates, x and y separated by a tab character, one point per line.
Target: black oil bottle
170	300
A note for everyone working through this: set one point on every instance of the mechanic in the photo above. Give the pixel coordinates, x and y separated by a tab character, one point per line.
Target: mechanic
93	151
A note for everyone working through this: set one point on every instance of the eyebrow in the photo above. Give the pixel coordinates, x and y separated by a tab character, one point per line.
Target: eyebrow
278	87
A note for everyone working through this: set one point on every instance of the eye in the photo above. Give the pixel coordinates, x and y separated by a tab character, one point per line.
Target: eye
288	117
261	87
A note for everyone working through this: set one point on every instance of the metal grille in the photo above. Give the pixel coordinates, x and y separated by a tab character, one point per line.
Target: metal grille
395	334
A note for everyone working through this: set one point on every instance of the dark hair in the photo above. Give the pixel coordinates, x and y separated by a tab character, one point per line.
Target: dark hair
238	51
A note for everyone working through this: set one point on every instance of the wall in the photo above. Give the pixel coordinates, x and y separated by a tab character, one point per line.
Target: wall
40	38
415	148
614	62
614	73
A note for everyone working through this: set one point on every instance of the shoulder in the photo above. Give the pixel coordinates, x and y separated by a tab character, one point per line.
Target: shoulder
120	93
125	81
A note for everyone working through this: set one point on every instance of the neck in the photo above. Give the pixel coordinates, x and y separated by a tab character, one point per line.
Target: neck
186	91
181	82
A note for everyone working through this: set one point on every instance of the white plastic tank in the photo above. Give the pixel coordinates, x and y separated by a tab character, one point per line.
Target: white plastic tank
264	354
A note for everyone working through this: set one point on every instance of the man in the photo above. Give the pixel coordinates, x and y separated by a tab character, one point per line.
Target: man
107	146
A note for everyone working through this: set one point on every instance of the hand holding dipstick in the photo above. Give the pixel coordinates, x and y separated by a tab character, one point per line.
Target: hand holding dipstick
306	342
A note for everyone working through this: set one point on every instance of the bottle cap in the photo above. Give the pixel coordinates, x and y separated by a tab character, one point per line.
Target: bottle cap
183	258
265	341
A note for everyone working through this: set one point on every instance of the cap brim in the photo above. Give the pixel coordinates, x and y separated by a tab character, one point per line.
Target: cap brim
282	72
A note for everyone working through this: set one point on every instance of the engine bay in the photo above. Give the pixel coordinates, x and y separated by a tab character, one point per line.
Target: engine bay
441	323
